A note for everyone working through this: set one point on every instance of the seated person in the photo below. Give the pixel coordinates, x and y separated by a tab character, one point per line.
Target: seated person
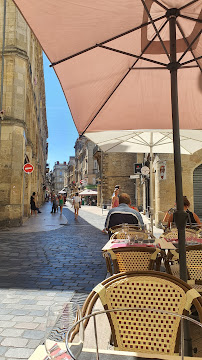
192	219
123	214
168	213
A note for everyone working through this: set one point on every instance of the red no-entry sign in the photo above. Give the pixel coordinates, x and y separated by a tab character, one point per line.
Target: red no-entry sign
28	168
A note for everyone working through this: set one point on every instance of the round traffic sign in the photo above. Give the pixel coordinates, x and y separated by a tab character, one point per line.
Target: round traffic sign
28	168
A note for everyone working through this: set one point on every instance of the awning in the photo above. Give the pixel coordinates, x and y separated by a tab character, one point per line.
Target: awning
88	192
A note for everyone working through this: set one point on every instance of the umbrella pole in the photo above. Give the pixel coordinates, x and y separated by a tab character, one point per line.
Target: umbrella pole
181	216
151	183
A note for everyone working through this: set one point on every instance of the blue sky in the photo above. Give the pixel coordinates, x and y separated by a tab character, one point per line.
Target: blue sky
62	132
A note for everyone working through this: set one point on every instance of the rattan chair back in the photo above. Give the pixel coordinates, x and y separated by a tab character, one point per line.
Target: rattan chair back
194	265
199	233
171	262
118	228
172	234
134	258
143	331
133	233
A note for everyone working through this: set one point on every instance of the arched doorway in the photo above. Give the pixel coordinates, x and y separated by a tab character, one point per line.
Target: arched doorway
197	184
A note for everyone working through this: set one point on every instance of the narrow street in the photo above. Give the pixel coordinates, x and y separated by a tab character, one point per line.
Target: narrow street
38	268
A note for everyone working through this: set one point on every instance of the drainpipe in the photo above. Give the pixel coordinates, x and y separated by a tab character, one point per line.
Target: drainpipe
2	63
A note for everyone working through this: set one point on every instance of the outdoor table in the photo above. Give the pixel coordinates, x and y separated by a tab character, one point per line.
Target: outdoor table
170	244
90	354
162	243
119	243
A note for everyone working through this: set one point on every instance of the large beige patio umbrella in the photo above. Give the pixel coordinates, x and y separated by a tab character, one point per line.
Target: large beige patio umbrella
118	61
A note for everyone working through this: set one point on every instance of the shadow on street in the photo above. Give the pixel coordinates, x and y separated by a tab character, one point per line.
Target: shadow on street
68	258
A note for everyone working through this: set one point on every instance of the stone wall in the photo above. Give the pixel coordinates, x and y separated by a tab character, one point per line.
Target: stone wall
116	170
24	126
165	195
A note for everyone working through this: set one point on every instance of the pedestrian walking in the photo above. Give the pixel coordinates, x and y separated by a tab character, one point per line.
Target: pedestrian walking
76	204
57	202
115	188
54	205
34	208
115	201
61	203
115	198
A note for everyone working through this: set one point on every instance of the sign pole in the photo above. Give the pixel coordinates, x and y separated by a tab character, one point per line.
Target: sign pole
23	195
151	183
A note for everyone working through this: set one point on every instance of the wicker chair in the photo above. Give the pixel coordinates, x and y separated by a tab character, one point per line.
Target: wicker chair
144	331
199	233
170	235
194	265
132	232
135	258
171	262
118	228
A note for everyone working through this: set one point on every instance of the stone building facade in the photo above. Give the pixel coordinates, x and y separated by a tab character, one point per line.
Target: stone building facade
59	176
115	169
85	168
71	178
164	189
24	126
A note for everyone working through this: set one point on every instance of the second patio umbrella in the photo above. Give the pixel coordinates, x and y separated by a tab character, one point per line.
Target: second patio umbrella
150	141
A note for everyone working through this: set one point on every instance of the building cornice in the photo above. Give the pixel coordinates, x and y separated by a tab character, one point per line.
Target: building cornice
16	51
9	120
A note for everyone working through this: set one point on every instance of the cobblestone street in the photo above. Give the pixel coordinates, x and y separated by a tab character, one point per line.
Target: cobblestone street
40	268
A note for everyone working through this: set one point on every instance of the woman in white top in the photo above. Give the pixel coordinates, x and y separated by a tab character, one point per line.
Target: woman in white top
76	204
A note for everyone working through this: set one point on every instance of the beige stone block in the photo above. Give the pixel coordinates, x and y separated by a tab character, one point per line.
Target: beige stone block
4	197
5	174
9	81
8	89
6	154
20	65
4	215
15	211
20	77
5	136
15	197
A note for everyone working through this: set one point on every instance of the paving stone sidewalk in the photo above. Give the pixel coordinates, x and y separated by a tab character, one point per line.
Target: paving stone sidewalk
40	268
